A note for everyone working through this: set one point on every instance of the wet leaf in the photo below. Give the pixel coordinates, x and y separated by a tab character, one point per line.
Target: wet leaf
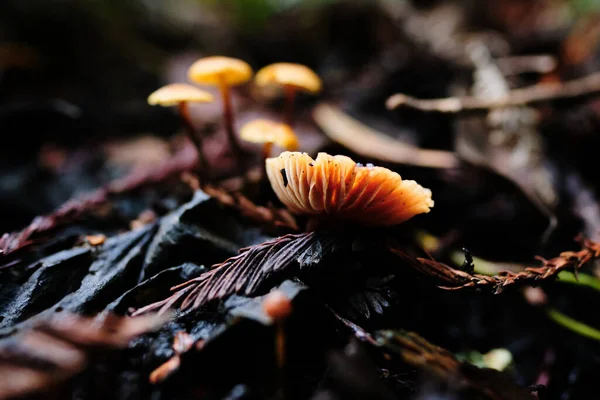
200	227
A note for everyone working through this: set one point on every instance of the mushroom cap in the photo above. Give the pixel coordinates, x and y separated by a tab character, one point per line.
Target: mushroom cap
217	69
265	131
299	76
277	305
175	93
337	187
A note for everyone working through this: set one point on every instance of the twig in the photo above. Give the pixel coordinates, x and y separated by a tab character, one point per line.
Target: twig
456	279
361	139
587	86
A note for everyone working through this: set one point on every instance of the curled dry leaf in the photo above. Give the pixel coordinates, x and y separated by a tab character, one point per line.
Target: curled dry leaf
457	279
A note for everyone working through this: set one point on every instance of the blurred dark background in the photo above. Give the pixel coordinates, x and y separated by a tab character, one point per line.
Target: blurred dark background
74	75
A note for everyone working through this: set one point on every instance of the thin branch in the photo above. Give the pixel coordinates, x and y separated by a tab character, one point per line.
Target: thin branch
587	86
347	131
456	279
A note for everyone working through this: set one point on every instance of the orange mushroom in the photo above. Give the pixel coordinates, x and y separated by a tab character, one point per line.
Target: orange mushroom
222	72
180	95
292	77
269	133
338	188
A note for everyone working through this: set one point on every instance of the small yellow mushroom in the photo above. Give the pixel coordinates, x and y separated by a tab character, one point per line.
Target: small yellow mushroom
338	188
180	95
222	72
177	93
293	78
269	133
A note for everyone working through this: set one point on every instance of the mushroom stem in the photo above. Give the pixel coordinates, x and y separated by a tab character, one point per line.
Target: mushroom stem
280	344
267	150
228	116
290	94
280	357
184	113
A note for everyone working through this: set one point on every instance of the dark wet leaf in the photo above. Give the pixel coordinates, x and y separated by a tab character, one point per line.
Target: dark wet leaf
61	272
90	277
113	270
200	227
154	287
240	324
